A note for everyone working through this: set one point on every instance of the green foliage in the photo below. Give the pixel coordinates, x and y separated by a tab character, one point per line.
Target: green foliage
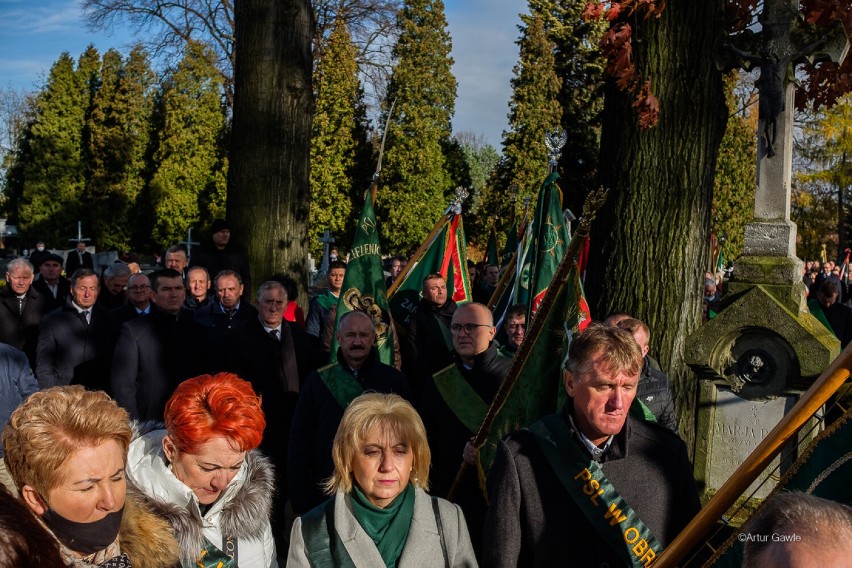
339	146
823	190
484	203
416	180
734	183
534	109
46	179
188	163
118	136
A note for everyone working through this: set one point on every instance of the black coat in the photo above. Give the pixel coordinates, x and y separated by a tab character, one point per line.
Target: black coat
533	521
73	262
315	423
70	351
21	330
448	435
215	261
63	290
654	392
427	350
126	313
211	317
276	369
152	356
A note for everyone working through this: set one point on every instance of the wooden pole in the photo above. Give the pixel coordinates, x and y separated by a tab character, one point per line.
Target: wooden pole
818	394
593	203
417	255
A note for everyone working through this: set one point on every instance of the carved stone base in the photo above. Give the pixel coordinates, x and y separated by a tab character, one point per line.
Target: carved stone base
770	238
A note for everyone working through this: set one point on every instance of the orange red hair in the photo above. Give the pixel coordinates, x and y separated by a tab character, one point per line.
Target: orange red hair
211	405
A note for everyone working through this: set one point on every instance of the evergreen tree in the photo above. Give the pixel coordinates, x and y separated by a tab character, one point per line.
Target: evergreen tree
187	163
415	178
484	204
733	186
578	62
46	180
534	109
118	136
338	138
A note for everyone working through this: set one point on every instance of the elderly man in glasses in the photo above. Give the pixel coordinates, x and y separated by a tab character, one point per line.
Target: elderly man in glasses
455	402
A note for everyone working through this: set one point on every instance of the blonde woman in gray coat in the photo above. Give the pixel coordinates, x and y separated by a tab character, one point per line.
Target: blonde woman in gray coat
379	513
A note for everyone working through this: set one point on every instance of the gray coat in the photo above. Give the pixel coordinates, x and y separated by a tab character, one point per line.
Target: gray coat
422	548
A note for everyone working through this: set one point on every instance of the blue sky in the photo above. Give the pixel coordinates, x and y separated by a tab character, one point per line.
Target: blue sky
35	32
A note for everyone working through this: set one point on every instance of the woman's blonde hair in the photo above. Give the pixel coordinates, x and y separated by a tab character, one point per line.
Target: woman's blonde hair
391	413
51	425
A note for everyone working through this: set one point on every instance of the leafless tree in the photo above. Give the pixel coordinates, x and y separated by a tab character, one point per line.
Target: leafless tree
165	26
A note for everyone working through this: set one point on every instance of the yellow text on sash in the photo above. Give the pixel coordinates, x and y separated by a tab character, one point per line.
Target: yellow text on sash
640	548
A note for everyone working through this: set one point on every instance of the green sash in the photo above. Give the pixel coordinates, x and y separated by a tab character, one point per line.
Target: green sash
327	300
212	557
465	403
342	385
816	311
323	545
607	512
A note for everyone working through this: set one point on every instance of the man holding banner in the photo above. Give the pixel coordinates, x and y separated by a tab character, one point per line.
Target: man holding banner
590	486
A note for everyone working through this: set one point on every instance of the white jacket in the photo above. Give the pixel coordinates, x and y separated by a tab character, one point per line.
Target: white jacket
243	510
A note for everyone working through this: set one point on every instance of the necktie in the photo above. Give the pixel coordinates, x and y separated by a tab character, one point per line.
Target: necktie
21	305
274	334
84	315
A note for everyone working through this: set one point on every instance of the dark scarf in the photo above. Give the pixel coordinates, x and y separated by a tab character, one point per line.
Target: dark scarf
387	527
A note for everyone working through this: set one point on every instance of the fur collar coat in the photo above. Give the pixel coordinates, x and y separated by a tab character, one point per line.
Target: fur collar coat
241	512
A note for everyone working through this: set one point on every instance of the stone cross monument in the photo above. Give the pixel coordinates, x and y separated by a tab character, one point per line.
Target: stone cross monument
764	348
326	241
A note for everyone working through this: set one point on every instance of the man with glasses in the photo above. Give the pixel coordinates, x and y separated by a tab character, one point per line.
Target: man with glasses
455	402
138	300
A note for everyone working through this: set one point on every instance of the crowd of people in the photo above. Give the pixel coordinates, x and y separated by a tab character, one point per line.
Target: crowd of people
177	419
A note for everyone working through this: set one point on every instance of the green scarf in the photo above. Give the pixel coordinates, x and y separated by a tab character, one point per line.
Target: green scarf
387	527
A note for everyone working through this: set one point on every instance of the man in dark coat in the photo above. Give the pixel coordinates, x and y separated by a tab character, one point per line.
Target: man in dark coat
275	357
325	395
75	341
554	488
50	285
78	258
653	389
429	341
219	253
155	353
114	290
454	404
834	315
21	308
138	300
321	305
229	309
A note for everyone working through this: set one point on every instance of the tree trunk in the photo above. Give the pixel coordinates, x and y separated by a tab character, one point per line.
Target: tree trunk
651	239
268	188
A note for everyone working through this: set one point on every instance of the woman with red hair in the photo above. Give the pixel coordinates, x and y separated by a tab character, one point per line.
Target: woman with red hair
202	473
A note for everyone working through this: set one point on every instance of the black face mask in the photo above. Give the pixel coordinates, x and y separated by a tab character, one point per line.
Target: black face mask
85	538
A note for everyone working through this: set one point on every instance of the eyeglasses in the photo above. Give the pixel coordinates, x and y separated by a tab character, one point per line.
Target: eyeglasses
469	328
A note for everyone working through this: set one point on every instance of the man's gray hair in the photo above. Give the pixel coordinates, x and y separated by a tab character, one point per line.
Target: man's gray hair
270	285
20	263
117	269
176	248
819	522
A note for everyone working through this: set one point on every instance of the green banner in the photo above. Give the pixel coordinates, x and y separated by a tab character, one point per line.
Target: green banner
465	403
364	285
